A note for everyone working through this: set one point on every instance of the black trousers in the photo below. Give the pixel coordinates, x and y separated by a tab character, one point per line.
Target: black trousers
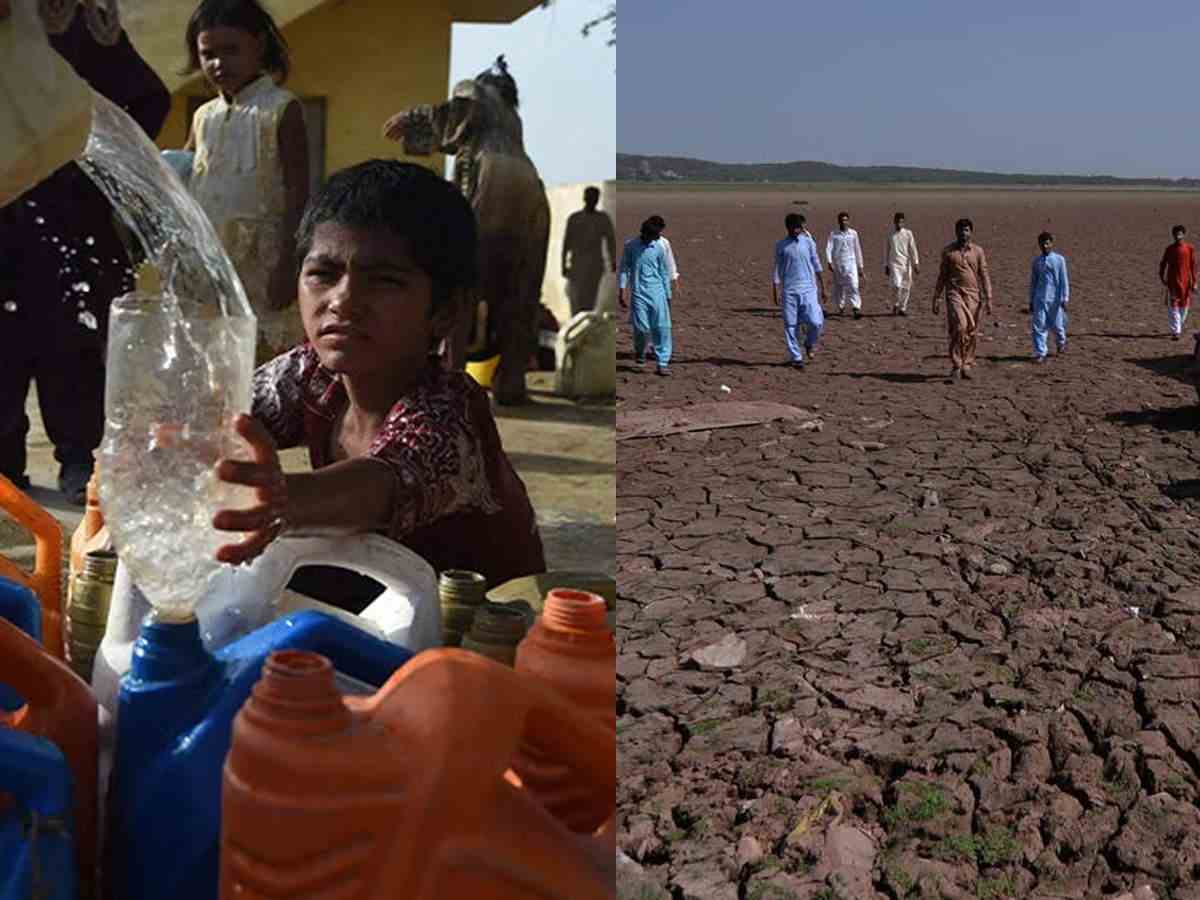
61	264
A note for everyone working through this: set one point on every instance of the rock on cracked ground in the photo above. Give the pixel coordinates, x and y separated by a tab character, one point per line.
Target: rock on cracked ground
949	644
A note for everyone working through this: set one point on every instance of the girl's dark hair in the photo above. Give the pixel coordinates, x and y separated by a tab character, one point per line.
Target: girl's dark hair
410	201
247	15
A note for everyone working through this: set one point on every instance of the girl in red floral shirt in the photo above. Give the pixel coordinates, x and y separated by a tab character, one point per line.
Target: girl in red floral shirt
397	444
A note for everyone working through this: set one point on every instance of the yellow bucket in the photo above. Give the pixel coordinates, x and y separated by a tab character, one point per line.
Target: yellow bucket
483	372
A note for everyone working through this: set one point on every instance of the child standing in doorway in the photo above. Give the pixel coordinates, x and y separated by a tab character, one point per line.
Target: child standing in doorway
250	172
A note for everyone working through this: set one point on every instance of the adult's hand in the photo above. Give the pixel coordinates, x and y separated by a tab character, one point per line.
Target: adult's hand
621	299
266	520
937	307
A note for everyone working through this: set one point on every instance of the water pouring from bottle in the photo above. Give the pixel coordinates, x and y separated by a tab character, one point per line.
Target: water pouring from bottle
179	366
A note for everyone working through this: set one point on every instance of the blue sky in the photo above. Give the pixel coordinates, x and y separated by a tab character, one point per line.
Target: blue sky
567	85
1101	87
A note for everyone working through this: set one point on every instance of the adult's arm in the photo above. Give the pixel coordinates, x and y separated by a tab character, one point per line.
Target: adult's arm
858	254
1162	266
672	268
610	240
569	239
1064	285
816	267
118	72
943	276
985	277
623	275
775	277
1032	282
916	257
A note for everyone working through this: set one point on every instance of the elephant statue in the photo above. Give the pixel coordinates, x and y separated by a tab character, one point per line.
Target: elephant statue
480	126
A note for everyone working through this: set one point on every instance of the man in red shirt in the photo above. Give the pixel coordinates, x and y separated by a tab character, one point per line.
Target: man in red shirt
1177	270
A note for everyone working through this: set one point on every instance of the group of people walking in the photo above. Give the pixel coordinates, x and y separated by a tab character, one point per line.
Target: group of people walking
963	281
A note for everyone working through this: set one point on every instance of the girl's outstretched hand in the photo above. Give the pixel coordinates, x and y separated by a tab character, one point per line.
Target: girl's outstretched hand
266	520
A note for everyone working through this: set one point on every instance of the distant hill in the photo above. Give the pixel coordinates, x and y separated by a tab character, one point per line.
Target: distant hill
633	167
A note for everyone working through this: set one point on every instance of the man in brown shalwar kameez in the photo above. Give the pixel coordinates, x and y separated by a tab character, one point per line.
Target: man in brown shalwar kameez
968	287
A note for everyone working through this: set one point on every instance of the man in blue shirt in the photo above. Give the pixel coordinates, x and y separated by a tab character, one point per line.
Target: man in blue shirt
644	287
798	272
1049	291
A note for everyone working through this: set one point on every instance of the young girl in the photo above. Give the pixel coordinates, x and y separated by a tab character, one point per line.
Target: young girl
397	444
250	172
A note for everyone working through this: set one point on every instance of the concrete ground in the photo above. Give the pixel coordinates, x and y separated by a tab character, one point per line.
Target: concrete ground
564	451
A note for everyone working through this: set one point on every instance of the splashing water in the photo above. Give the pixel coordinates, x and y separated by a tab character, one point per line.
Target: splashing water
179	366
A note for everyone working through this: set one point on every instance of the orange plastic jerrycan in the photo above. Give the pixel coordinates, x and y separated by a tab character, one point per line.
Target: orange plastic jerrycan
46	578
403	793
571	649
59	707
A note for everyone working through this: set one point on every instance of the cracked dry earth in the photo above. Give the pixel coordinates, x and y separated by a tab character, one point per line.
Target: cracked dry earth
949	644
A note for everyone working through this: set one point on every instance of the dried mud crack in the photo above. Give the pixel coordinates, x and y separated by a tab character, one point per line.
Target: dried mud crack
949	644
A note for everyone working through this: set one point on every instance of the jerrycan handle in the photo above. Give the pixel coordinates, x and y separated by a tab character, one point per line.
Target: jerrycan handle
253	593
46	578
460	686
29	669
579	326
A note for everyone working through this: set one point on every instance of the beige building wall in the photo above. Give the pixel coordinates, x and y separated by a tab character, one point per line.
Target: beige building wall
564	200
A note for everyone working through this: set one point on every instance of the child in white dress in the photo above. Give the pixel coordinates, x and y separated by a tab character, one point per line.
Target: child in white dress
250	172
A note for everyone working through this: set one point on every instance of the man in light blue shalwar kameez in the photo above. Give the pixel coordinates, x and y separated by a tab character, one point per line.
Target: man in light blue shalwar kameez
645	287
1049	291
797	275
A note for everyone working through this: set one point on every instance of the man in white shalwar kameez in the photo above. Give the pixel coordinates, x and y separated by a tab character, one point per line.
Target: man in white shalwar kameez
844	254
900	264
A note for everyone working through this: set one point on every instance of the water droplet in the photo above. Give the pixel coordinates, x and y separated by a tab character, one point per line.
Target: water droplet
81	287
93	260
40	219
31	203
87	320
54	238
90	240
10	306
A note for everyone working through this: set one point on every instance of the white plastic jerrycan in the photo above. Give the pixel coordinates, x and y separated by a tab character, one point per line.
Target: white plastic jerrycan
239	600
45	107
585	356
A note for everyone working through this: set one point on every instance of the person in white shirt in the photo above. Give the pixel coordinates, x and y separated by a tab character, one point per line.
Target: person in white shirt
672	269
844	254
901	263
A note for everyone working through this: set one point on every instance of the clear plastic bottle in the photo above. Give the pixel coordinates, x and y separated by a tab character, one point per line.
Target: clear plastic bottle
174	385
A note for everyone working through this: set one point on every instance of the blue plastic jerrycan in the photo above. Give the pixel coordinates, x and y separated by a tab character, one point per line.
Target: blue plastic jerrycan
175	716
19	605
37	855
